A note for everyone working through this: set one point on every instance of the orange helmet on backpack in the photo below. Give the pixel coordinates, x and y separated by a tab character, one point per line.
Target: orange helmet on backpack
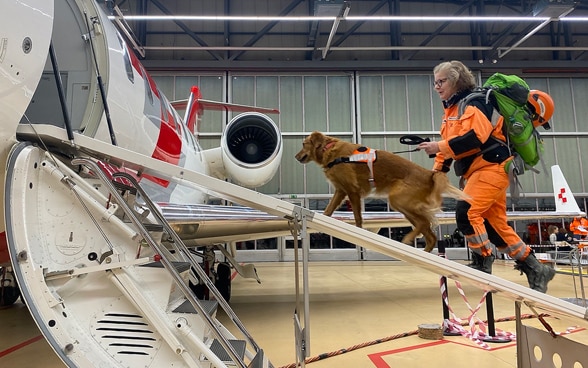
542	108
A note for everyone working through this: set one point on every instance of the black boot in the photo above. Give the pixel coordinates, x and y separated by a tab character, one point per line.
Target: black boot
538	274
481	263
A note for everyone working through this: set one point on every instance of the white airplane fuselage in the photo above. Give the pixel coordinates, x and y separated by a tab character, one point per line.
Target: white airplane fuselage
109	96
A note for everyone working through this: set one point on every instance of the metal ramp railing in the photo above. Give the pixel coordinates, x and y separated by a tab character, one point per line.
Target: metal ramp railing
320	223
182	253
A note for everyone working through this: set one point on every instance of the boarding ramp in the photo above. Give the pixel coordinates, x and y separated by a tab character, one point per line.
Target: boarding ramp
307	219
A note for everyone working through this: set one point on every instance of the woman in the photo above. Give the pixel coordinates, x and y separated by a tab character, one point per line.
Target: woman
469	138
552	230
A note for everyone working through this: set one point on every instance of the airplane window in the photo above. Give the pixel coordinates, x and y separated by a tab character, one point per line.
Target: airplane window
127	61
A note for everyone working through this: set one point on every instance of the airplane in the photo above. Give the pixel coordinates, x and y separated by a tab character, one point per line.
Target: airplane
100	213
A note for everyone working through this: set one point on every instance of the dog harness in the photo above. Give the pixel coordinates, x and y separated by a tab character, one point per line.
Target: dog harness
361	154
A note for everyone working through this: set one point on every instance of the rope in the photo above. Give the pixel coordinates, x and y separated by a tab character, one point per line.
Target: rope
394	337
352	348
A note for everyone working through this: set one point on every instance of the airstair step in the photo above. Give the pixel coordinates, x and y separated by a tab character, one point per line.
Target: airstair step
257	361
221	353
153	227
179	266
209	306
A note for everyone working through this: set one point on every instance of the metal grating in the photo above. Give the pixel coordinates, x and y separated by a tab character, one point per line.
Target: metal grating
209	306
221	353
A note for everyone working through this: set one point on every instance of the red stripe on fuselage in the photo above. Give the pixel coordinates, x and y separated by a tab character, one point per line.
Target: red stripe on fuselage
168	147
4	256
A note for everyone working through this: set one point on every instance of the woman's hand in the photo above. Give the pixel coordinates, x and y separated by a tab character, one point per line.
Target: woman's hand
430	148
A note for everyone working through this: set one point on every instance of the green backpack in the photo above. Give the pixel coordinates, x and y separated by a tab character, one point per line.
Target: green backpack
508	94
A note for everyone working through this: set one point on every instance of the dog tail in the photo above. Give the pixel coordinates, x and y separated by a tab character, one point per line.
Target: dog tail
444	187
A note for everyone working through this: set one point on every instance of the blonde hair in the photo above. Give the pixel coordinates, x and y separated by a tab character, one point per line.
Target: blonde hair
458	75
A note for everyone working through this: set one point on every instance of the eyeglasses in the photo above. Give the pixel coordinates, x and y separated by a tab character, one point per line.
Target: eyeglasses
439	82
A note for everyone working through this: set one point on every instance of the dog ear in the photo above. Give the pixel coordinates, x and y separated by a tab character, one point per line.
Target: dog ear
315	139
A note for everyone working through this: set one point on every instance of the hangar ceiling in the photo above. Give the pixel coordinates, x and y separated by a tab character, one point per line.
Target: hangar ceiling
359	35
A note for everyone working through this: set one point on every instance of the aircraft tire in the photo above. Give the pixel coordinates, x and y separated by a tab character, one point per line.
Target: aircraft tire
223	280
8	293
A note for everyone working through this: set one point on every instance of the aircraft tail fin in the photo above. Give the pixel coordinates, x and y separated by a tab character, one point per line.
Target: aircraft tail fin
564	198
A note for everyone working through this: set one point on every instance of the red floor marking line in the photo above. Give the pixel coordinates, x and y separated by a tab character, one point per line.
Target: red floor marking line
379	362
19	346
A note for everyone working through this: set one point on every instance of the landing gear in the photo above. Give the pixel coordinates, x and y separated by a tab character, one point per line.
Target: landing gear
9	291
221	276
223	280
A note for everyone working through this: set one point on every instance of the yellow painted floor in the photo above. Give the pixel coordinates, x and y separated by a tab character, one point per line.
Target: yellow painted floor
362	314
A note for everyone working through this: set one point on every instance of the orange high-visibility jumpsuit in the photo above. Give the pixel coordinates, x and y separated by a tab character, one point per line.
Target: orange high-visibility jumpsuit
480	161
576	227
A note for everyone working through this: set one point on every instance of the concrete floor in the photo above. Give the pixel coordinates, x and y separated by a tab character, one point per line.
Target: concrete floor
362	314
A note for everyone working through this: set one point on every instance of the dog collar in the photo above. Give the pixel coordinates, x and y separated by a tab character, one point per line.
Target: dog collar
328	145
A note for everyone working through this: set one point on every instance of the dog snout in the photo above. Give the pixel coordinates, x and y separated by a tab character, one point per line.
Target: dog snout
302	157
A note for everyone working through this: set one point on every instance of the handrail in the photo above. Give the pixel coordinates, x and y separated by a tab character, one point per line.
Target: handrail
184	249
164	260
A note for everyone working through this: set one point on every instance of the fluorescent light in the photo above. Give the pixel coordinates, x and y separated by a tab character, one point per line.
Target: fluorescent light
387	18
451	18
574	19
223	18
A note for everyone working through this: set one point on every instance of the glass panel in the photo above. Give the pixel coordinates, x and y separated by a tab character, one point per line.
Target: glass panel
291	110
567	154
371	107
538	83
315	102
209	142
396	107
580	103
267	94
293	173
339	102
165	85
419	106
270	243
212	88
242	88
563	117
543	181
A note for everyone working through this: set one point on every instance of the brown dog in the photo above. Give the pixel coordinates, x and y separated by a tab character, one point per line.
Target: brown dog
411	189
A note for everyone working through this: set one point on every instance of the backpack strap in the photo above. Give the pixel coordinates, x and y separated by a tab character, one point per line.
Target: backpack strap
478	94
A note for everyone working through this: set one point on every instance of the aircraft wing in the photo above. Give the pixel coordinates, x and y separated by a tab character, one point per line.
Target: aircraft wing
223	106
208	224
205	224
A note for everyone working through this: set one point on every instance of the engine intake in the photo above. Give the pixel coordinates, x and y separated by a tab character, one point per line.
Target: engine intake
251	149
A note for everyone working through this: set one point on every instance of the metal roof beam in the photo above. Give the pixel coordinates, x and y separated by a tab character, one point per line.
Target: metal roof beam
185	28
268	27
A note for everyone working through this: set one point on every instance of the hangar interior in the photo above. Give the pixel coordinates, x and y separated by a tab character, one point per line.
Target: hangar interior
362	71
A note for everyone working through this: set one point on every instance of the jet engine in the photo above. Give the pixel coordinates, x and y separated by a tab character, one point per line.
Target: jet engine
251	149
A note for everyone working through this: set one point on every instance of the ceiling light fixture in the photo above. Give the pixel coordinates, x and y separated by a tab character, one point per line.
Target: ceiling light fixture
387	18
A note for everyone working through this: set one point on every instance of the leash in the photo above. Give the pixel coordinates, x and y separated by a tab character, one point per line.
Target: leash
412	140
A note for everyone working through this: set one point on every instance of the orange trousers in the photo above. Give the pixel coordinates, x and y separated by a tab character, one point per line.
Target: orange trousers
482	219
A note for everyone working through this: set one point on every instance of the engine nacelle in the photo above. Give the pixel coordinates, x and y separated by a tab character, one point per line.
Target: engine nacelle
251	149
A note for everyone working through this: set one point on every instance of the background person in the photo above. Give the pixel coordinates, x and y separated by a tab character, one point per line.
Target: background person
579	228
562	235
552	230
473	142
